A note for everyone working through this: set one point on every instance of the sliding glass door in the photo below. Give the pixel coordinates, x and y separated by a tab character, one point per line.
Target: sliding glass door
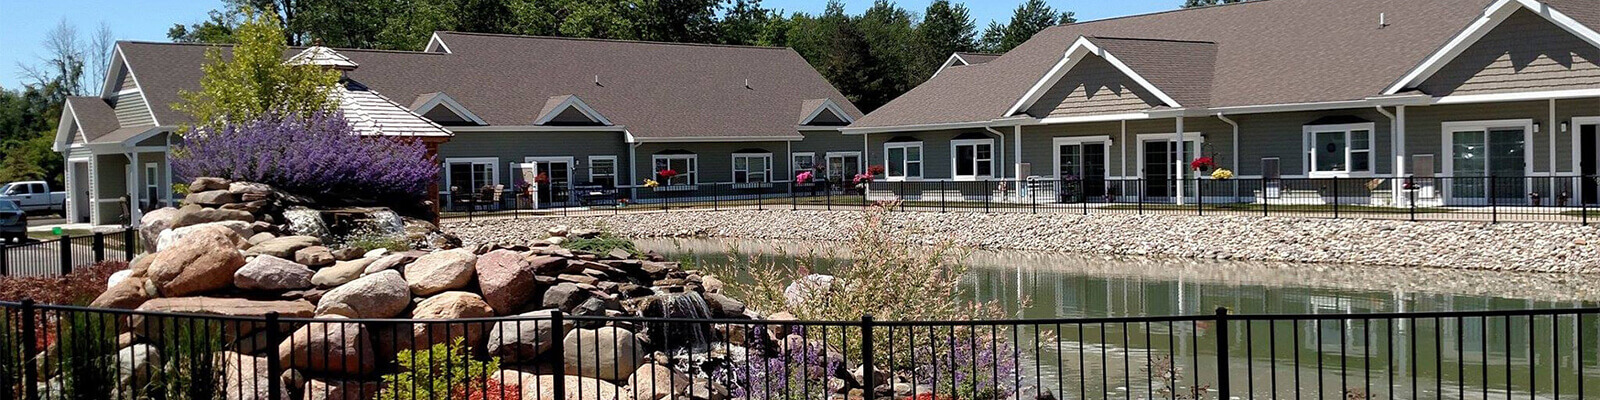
1488	160
1081	169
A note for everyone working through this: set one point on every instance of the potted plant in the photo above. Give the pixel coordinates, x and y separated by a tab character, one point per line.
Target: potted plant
1071	189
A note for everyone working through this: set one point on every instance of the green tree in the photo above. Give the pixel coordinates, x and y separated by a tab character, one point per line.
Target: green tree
945	29
254	80
887	31
1203	3
1029	18
747	23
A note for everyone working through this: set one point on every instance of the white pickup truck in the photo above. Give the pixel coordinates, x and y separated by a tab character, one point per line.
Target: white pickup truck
34	196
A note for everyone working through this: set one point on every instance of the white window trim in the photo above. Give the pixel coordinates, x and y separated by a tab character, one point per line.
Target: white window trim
733	169
1055	150
614	168
971	142
922	161
494	170
794	163
861	160
1183	165
1308	156
1448	129
694	167
1573	132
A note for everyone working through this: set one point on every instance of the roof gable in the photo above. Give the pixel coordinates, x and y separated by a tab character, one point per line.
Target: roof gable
441	108
1093	87
1493	16
569	110
1525	53
823	112
1084	49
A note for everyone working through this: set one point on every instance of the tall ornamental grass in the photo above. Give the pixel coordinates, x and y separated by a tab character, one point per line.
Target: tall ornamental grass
319	155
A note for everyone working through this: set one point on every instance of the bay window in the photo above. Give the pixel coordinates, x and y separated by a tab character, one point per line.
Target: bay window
904	160
752	167
1339	150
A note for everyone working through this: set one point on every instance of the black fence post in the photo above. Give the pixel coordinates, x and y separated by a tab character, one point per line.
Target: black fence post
1199	197
1412	194
759	196
1335	198
66	254
941	196
1494	201
1266	198
5	259
30	369
274	364
99	247
794	202
1140	184
1222	353
1583	209
130	244
987	199
868	380
559	348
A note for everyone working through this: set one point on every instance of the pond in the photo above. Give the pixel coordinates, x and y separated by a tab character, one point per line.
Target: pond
1547	356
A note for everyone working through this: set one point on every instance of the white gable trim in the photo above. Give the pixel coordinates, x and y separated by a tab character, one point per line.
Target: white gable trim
830	106
573	102
154	130
1082	48
119	59
436	45
69	119
948	62
1492	17
451	104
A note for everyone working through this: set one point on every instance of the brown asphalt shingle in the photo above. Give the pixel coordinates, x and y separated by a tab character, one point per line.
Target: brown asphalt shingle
654	89
1266	52
95	116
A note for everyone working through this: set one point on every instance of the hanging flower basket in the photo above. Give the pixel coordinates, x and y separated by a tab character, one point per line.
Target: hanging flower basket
1203	164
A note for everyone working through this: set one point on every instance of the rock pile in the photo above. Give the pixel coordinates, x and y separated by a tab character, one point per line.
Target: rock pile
212	269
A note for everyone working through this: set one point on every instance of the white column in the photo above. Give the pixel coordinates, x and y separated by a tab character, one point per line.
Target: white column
1551	127
1016	136
1399	135
1180	162
134	187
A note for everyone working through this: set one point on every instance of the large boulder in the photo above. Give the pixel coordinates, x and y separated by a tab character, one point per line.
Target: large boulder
542	387
340	273
440	271
329	347
138	365
723	306
194	214
380	295
284	247
153	222
388	261
655	382
249	378
318	389
506	279
608	353
126	294
203	261
210	198
170	237
206	184
156	327
266	272
565	296
449	306
525	337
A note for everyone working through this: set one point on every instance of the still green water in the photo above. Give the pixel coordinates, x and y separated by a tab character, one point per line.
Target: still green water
1494	357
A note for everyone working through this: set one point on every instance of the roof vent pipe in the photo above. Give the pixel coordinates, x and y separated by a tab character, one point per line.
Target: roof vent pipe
747	83
1383	20
597	80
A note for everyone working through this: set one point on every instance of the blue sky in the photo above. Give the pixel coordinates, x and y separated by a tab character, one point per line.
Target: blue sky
24	23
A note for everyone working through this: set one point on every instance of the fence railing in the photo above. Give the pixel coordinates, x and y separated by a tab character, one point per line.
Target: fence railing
1485	199
60	255
61	352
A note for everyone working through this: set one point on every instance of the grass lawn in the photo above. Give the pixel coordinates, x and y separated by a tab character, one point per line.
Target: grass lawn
47	235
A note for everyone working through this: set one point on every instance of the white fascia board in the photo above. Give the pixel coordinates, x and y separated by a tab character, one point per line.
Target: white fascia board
538	128
710	139
1492	17
920	127
154	130
1291	107
451	104
829	105
954	58
435	43
1524	96
1081	48
575	102
63	127
117	62
1091	118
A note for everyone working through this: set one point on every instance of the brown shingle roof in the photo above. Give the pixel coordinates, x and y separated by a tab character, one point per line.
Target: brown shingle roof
95	117
1266	52
655	89
1181	69
977	58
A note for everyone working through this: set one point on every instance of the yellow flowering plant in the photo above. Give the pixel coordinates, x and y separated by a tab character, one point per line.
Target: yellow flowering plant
650	183
1221	174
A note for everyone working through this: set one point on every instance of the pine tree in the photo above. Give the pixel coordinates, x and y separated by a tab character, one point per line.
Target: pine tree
1030	18
945	29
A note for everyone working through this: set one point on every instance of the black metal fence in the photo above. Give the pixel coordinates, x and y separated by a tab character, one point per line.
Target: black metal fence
1478	199
58	256
59	352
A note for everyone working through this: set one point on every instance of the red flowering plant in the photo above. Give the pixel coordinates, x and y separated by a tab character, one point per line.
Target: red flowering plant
1203	163
542	179
666	174
875	170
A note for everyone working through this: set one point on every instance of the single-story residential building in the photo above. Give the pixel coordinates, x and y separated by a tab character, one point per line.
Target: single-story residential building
1380	91
551	113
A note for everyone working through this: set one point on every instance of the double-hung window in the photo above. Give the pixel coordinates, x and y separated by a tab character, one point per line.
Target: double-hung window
803	162
904	160
752	167
972	159
685	166
603	170
1339	150
468	175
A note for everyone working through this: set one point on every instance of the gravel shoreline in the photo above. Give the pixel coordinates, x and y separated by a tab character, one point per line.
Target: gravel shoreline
1521	247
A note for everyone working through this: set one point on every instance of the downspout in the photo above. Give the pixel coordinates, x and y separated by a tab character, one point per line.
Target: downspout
1550	132
132	188
789	148
1124	140
1399	159
633	170
1016	145
1236	157
1180	162
1002	153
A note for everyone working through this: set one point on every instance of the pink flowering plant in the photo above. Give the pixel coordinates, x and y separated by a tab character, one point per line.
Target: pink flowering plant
316	154
803	177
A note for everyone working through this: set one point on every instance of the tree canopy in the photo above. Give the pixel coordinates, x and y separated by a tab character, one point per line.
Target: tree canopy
872	57
255	81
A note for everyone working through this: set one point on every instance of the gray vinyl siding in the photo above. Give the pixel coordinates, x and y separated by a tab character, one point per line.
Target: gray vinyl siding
1282	135
125	81
936	150
1425	127
1038	148
509	147
1524	53
714	160
157	140
110	184
77	134
132	110
1093	87
821	142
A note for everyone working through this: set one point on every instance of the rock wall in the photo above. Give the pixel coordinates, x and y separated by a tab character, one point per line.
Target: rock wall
1527	247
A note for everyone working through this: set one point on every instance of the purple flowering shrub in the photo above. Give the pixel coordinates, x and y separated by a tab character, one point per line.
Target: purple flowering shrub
802	373
967	367
319	155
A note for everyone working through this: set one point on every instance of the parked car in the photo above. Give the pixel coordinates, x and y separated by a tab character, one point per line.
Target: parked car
13	222
34	196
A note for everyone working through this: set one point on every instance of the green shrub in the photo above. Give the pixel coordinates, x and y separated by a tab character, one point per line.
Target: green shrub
437	373
601	244
368	240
